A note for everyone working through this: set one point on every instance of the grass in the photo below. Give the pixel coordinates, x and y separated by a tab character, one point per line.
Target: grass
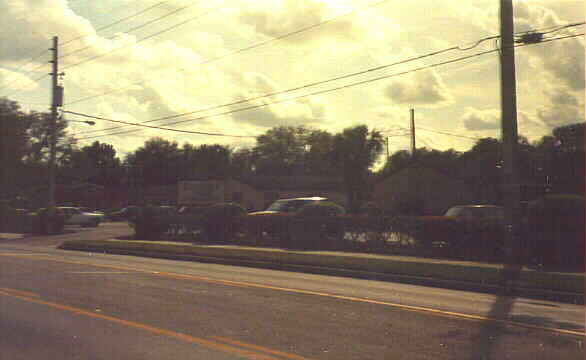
488	274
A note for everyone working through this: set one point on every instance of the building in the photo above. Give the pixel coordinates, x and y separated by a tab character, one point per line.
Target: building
420	191
255	193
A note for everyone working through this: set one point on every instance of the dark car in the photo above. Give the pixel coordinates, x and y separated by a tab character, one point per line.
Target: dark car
289	206
492	212
124	214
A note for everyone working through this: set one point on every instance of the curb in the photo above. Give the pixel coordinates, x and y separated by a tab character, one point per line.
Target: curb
511	291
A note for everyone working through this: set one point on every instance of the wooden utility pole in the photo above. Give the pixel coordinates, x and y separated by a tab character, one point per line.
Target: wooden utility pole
509	129
413	146
53	124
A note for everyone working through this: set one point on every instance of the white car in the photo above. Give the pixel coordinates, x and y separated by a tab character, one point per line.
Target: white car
74	216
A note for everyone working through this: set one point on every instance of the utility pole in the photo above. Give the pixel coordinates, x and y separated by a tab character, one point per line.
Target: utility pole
413	147
55	103
509	129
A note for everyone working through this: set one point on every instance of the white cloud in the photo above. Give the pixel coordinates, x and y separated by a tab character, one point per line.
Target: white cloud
481	120
16	80
421	88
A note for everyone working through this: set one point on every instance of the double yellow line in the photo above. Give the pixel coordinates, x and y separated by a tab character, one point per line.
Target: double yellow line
420	309
241	349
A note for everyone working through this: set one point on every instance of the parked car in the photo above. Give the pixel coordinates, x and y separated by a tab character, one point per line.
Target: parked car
93	211
124	214
493	212
74	216
288	206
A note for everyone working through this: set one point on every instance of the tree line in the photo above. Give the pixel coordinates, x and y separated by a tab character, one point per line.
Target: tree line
555	161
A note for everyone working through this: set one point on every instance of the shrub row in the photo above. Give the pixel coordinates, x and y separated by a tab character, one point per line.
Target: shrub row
554	234
26	222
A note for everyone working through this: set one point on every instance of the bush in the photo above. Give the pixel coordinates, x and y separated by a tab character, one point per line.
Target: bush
151	223
41	222
220	222
479	239
315	226
556	231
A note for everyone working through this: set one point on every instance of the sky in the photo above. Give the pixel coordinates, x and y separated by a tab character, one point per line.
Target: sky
139	60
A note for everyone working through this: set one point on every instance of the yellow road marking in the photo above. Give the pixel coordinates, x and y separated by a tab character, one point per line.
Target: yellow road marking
421	309
19	292
247	354
258	348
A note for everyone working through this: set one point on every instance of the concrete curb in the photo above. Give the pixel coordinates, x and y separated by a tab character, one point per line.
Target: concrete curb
513	291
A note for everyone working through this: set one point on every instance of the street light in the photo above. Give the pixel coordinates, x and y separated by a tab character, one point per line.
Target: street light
89	122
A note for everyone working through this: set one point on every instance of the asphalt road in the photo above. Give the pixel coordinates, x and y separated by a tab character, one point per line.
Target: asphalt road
68	305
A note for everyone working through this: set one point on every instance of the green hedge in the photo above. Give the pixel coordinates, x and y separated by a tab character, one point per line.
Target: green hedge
556	236
31	222
220	222
151	223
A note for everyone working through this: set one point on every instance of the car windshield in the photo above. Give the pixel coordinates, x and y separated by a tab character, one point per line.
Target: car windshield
288	205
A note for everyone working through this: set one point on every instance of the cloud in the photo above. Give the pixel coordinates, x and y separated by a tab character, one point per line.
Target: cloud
34	23
421	88
481	120
564	108
285	16
562	59
15	80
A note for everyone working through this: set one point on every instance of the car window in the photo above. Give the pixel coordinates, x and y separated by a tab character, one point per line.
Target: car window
455	211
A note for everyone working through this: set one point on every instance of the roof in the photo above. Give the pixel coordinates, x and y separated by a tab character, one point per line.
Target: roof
293	183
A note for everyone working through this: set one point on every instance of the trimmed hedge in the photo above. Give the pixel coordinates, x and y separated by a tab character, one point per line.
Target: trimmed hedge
220	222
35	222
151	223
556	224
315	226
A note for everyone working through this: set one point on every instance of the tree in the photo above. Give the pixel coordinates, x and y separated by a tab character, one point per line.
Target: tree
39	139
355	150
205	162
13	144
242	164
318	160
156	163
445	162
280	151
95	164
482	166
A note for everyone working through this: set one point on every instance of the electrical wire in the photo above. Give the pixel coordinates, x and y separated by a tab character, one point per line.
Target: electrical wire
450	134
148	36
21	67
116	22
155	127
304	95
313	94
241	50
552	29
321	82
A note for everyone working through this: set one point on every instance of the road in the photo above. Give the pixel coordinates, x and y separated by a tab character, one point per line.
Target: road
57	304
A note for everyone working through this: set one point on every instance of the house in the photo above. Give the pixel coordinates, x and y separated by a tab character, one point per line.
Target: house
420	191
255	193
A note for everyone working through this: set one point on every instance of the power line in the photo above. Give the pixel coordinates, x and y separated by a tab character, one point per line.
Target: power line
552	29
450	134
310	94
326	91
25	63
241	50
149	36
321	82
155	127
112	24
